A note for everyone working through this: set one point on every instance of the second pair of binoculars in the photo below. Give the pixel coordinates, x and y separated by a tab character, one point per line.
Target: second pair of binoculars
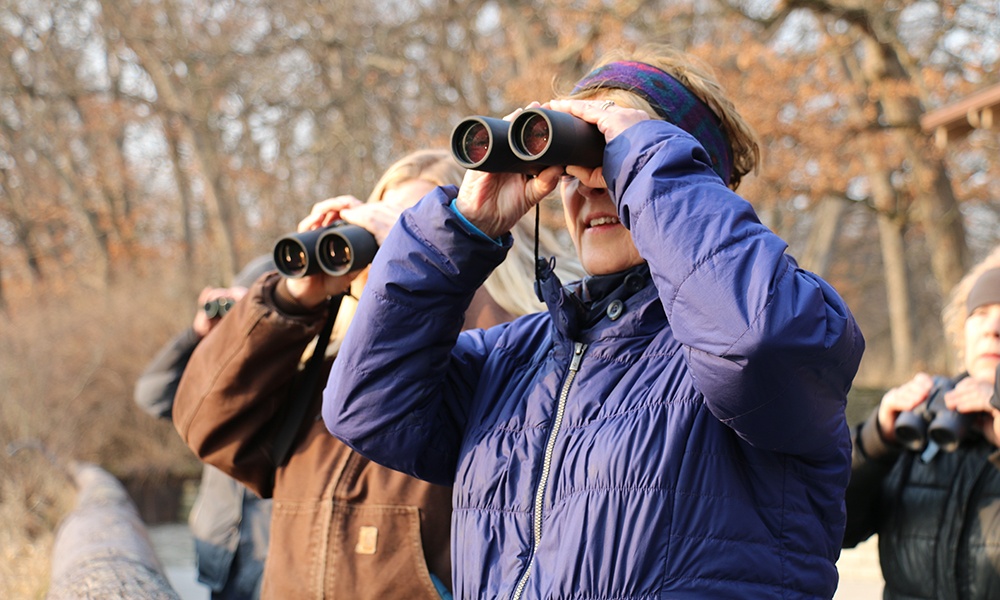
932	420
216	309
336	249
535	139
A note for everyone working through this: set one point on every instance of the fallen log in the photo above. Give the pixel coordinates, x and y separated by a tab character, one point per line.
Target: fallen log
102	549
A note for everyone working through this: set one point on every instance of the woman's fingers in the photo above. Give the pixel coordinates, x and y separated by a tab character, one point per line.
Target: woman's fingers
327	211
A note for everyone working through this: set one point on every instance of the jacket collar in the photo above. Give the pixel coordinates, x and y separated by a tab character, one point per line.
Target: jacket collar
586	310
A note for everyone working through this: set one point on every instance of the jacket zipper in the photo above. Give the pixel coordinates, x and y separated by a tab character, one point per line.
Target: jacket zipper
543	481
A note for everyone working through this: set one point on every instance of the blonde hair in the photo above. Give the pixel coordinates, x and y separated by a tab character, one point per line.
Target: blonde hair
511	285
700	80
954	314
435	166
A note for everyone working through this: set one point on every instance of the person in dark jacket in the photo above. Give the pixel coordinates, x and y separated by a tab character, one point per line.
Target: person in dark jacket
934	505
673	425
229	523
341	526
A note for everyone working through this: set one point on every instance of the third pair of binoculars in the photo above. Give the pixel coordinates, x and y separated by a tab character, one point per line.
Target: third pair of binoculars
335	250
536	138
932	420
216	309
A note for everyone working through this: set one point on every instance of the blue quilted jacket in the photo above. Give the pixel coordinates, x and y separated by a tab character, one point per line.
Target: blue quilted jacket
690	444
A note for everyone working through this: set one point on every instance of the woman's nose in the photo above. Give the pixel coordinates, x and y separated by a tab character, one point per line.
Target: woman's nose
991	324
592	192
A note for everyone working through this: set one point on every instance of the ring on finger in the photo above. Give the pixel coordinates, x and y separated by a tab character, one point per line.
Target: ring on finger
607	104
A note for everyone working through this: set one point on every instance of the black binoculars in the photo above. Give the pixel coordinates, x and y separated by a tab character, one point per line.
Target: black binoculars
218	307
931	419
336	250
535	139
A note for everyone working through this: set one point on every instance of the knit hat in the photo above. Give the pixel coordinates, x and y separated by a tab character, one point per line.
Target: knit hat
985	291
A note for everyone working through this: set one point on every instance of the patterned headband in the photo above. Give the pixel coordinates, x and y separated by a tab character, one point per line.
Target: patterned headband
672	102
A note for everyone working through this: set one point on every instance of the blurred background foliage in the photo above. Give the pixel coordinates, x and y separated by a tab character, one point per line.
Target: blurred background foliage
151	147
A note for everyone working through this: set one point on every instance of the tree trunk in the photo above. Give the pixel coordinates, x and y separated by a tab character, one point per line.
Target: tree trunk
938	212
934	199
816	256
172	134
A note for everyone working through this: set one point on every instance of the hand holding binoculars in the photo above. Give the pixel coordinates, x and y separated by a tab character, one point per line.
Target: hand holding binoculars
931	419
335	250
535	139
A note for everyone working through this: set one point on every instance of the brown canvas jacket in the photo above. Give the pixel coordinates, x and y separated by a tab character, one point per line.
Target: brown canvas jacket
341	526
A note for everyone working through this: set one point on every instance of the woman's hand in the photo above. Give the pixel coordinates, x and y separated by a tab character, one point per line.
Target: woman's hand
901	399
610	118
973	396
970	396
494	202
308	293
202	323
375	217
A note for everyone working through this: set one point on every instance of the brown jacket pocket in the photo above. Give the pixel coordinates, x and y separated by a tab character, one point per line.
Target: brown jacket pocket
379	554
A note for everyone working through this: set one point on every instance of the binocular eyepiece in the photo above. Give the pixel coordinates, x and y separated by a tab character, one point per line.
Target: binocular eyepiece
336	250
535	139
217	308
932	420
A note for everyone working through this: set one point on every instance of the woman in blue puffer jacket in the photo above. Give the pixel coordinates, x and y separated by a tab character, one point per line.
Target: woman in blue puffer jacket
673	426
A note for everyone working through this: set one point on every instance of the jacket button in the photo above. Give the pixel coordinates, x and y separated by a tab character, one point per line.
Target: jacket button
634	282
615	309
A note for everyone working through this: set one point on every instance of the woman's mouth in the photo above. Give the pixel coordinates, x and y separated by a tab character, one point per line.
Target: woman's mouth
599	221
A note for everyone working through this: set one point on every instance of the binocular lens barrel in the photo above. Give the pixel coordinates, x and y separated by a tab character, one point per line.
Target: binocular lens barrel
911	430
219	307
293	258
480	144
335	250
948	429
476	142
345	248
531	137
546	137
295	254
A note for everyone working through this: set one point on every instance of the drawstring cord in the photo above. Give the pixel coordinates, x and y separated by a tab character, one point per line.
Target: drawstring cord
542	266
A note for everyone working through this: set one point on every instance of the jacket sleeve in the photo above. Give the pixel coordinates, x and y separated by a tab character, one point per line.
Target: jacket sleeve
772	347
401	385
871	460
156	387
235	391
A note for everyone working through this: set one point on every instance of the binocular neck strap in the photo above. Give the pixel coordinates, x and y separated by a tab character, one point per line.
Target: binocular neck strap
304	388
540	264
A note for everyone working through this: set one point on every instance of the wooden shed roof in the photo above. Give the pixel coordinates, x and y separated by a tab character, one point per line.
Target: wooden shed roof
980	110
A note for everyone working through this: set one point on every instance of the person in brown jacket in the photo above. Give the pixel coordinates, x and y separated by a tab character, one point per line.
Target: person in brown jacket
341	526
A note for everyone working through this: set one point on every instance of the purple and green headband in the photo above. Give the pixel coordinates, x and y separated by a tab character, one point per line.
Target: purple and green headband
672	102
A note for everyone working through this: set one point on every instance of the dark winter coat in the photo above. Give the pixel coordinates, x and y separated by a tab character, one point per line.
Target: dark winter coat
937	518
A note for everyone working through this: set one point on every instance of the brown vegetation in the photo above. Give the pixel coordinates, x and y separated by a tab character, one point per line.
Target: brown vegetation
71	355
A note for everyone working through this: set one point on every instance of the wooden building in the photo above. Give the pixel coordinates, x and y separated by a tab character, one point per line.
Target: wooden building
980	110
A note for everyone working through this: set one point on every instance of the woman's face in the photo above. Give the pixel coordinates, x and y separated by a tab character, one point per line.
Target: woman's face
982	342
602	242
